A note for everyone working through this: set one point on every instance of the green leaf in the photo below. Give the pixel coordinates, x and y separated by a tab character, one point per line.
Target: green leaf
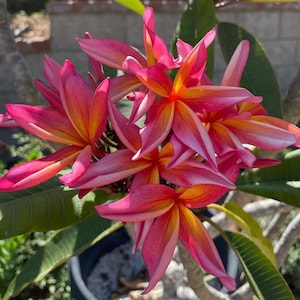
48	206
64	244
264	279
135	5
249	225
258	76
280	182
196	20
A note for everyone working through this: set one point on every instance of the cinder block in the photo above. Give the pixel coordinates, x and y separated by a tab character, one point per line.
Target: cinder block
166	25
134	30
226	16
285	75
298	53
66	27
219	61
36	63
262	24
290	24
281	52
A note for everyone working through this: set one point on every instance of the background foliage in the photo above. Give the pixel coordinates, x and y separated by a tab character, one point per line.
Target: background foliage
24	251
29	6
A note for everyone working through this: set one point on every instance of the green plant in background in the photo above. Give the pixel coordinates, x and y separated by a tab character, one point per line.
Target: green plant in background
291	267
16	251
290	270
80	227
27	147
11	252
28	6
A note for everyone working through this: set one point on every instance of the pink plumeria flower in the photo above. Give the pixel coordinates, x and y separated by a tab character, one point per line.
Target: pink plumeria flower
122	56
232	128
126	58
167	215
150	168
197	194
76	119
181	99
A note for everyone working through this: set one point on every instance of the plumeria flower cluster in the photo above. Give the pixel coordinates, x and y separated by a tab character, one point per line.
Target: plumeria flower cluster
181	147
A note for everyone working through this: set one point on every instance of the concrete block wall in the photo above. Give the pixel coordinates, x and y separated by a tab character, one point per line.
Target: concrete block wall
275	25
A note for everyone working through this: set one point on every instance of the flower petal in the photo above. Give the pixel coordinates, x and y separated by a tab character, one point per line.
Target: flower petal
203	194
121	86
52	96
79	166
147	176
51	72
38	120
192	173
183	48
158	125
261	134
225	141
98	72
141	230
7	121
191	69
235	68
147	202
34	172
110	52
155	47
76	99
212	98
193	65
181	152
281	124
196	239
142	102
190	131
111	168
98	111
155	79
158	249
127	132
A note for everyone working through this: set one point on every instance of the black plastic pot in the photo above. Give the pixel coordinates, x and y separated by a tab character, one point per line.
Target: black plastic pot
81	266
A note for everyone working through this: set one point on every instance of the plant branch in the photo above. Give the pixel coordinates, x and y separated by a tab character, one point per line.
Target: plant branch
196	278
256	209
288	238
276	224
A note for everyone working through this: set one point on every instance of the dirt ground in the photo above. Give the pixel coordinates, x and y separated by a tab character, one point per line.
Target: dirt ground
34	27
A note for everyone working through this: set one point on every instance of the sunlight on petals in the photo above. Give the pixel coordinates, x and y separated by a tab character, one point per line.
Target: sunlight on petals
196	239
163	245
34	172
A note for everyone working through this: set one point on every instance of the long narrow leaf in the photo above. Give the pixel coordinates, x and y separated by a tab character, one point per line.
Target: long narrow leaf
48	206
280	182
249	225
258	76
64	244
265	280
134	5
196	20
